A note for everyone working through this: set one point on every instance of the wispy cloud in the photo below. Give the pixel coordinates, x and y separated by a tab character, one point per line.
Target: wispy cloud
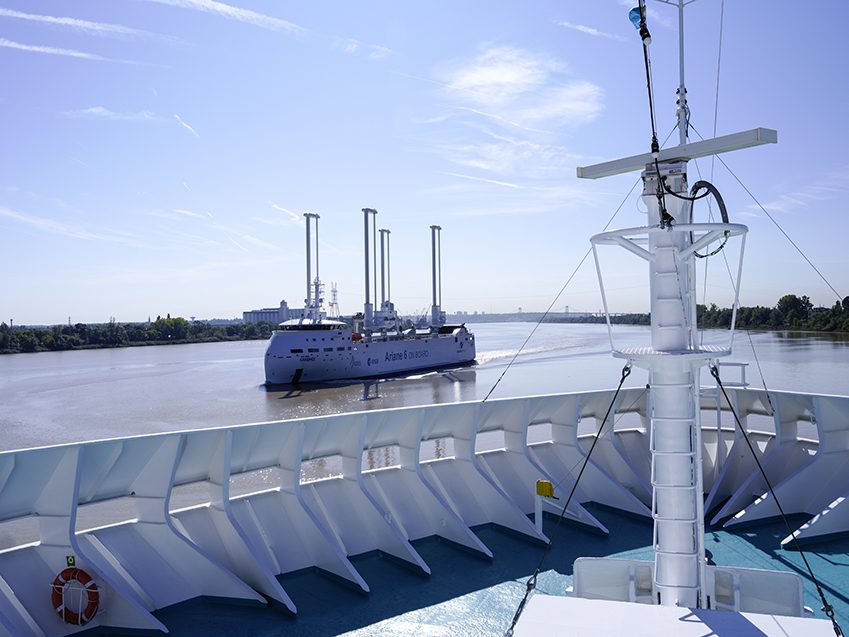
57	227
498	75
509	105
100	112
235	13
547	201
202	270
830	186
354	47
183	215
500	119
350	46
495	182
103	113
187	213
191	240
258	242
50	50
504	155
591	31
573	103
237	244
505	110
521	89
186	126
97	28
294	217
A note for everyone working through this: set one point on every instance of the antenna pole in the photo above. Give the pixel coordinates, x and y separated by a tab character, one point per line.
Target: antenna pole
683	109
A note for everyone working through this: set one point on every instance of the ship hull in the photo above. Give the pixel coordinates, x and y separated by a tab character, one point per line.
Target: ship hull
299	357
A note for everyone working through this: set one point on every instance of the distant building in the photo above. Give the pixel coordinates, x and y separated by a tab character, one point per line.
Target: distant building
273	314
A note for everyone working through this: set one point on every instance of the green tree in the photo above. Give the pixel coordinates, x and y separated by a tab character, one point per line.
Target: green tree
27	341
794	309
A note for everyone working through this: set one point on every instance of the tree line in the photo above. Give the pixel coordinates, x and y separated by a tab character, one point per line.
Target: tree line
114	334
792	312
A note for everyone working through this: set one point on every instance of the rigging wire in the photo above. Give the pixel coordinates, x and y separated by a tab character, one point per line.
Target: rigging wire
713	157
777	225
665	218
622	413
718	67
826	607
532	581
563	289
761	373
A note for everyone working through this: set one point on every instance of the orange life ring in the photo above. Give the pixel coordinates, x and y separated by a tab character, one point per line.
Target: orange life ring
79	616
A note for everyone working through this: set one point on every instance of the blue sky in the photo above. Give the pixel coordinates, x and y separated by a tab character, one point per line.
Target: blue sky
157	155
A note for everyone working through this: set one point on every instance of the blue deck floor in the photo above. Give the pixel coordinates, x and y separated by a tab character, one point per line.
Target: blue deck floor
470	596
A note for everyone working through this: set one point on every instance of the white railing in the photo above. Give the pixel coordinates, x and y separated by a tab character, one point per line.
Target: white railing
260	505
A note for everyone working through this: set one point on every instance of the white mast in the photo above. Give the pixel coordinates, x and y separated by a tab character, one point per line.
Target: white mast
683	110
384	265
436	264
313	300
674	360
368	308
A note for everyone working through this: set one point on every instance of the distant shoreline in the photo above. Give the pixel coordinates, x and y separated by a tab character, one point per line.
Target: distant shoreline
163	331
255	332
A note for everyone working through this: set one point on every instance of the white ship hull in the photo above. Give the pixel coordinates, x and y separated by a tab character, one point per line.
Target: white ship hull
236	545
332	354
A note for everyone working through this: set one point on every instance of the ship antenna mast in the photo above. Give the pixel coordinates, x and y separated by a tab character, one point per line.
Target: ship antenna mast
683	108
668	244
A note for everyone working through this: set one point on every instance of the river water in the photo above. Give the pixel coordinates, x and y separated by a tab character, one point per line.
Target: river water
56	397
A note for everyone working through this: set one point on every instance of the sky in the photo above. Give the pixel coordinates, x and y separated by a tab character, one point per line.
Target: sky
157	156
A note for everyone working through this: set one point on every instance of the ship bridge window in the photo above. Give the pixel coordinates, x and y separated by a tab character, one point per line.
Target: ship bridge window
341	349
312	349
307	327
328	349
296	351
